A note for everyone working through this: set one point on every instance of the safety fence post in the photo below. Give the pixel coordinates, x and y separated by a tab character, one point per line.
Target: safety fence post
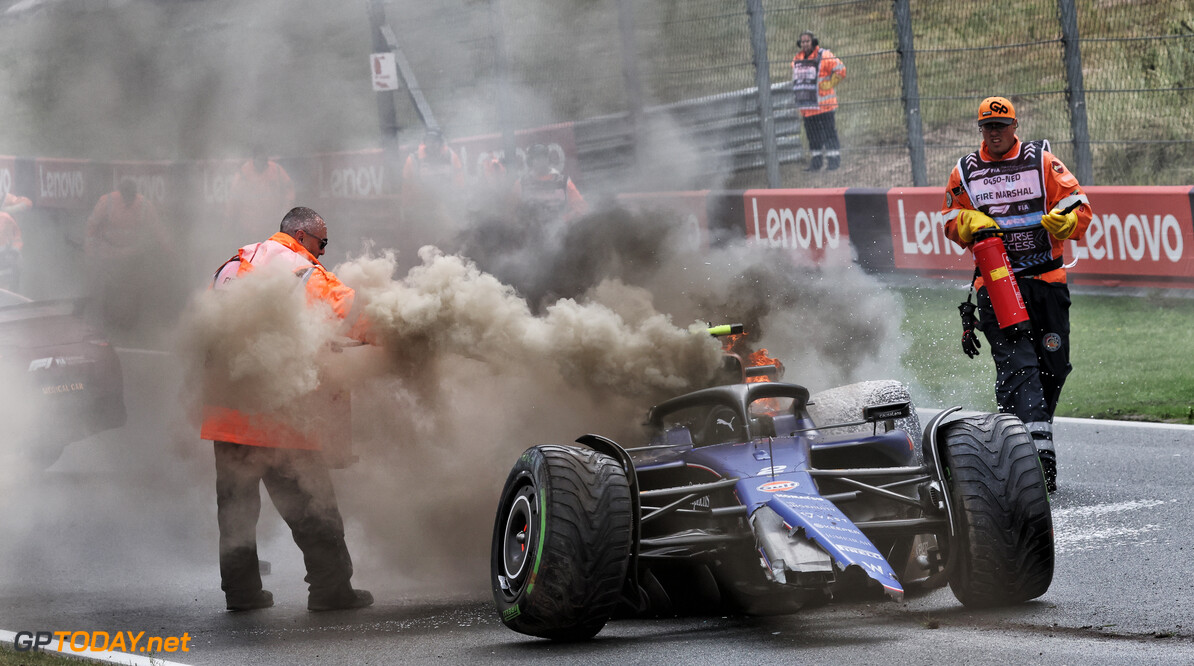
758	47
910	91
630	77
1075	92
387	112
502	74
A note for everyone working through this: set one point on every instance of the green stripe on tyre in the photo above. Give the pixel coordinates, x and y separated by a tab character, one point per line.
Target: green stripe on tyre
542	530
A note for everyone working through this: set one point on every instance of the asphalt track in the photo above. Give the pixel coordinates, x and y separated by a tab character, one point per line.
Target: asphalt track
109	541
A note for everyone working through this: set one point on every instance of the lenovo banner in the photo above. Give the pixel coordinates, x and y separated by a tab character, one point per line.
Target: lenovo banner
1138	236
71	184
216	178
810	225
8	167
155	180
353	175
918	234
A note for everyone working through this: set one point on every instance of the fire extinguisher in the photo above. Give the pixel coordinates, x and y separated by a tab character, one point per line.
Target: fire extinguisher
991	257
1000	280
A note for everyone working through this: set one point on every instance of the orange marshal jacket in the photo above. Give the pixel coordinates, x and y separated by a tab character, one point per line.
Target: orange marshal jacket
331	422
1060	188
827	65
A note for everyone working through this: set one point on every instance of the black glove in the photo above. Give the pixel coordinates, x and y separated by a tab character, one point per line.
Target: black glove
970	343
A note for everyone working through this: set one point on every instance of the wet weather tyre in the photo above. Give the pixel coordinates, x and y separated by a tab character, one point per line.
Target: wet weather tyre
561	542
1003	538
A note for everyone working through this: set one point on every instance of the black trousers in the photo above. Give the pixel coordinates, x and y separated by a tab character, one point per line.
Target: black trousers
1031	369
300	487
821	132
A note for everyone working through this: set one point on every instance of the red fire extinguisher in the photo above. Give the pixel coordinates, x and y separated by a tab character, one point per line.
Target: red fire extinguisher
1000	280
991	257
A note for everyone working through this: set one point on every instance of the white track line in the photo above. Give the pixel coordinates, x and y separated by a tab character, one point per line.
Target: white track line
1148	425
106	657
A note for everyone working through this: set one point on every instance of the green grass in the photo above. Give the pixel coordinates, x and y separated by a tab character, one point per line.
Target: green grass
1131	356
10	657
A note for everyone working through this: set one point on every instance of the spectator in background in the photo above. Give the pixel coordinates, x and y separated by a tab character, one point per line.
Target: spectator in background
490	198
543	193
815	74
260	193
11	203
123	233
433	175
10	240
10	252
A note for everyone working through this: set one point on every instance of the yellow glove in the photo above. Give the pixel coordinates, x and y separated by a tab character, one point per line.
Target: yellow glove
970	221
1060	225
829	83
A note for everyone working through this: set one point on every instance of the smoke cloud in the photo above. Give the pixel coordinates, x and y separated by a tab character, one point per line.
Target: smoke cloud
508	335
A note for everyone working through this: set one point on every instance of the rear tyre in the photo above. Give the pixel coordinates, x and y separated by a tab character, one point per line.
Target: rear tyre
1003	524
561	542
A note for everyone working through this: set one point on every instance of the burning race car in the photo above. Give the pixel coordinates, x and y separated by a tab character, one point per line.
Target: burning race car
60	380
755	497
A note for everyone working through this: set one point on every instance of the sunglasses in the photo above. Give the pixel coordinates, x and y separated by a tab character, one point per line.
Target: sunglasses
323	242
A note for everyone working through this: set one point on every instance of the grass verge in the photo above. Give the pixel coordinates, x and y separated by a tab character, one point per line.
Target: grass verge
10	657
1131	356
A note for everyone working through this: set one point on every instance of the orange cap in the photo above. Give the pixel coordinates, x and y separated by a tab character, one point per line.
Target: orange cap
996	110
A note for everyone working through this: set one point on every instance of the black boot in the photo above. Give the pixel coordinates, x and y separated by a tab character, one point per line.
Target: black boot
347	599
814	164
835	161
247	601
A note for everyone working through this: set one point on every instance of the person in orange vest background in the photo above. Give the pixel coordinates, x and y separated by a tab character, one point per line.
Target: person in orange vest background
815	75
10	239
123	234
291	460
10	252
543	193
432	182
11	203
1009	183
260	192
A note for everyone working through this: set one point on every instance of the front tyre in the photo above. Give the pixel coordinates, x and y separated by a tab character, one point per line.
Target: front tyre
561	542
1004	526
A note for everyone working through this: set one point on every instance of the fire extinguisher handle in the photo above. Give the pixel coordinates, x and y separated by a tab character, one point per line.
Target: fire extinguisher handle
1070	208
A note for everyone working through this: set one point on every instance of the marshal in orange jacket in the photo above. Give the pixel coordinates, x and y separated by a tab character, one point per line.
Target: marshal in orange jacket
1059	189
327	416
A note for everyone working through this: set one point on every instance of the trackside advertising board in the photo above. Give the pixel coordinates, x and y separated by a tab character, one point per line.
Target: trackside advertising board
810	225
8	168
1139	236
69	184
1142	236
155	181
918	234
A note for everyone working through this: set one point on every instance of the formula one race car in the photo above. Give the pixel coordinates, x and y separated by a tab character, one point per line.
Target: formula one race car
753	498
60	379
